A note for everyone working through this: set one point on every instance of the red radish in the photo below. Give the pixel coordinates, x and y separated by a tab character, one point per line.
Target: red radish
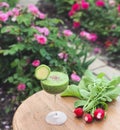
78	112
99	113
88	118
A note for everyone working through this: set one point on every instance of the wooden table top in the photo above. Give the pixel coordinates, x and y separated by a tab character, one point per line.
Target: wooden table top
30	115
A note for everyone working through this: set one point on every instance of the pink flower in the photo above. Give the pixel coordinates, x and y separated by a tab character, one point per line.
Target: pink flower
75	7
112	2
36	63
33	9
76	24
16	11
100	3
41	39
89	36
67	33
118	8
97	50
83	33
41	15
71	13
21	87
113	26
46	31
4	4
75	77
9	13
93	37
3	17
63	55
19	39
84	5
43	30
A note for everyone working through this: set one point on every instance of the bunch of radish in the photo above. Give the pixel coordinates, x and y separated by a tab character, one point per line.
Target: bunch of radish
94	92
98	114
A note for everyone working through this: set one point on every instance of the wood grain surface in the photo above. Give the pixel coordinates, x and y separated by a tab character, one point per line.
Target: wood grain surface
30	115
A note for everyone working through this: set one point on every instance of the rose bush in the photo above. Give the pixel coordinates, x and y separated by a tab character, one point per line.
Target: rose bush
61	6
97	16
98	22
28	39
98	19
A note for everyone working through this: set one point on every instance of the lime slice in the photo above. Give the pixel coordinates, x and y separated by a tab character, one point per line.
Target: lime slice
42	72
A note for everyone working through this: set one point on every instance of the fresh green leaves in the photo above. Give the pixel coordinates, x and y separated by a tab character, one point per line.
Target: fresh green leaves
15	30
14	49
94	91
72	90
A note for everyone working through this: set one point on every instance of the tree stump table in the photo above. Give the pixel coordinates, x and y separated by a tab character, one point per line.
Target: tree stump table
30	115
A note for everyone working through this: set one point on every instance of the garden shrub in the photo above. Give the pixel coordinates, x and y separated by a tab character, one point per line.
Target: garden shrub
62	6
28	39
98	17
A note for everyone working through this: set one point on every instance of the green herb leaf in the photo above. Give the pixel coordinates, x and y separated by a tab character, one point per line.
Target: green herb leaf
85	94
72	90
79	103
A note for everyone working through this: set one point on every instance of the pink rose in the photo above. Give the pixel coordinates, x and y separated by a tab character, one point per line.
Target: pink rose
93	37
36	63
3	17
118	8
71	13
21	87
4	4
43	30
84	5
75	77
97	50
75	7
46	31
112	2
9	13
16	11
41	39
89	36
41	15
19	39
100	3
63	55
33	9
76	24
83	33
67	33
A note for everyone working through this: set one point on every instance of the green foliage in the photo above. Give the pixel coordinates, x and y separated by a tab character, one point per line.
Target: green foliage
19	48
12	3
98	19
62	6
113	52
103	21
94	91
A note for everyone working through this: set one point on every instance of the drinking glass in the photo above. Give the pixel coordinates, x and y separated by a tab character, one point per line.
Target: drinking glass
56	83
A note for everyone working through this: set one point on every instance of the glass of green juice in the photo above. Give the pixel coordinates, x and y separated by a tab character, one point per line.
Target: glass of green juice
53	82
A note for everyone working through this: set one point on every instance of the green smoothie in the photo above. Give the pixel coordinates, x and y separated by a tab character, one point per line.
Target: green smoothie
55	83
